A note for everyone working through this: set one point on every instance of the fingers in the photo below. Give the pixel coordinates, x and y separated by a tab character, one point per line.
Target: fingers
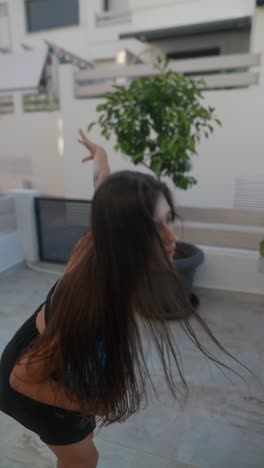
82	143
82	135
86	142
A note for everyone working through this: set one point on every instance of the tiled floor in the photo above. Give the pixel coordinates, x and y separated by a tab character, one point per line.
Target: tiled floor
222	423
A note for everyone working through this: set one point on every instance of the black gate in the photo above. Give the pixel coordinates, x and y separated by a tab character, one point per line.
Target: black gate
60	224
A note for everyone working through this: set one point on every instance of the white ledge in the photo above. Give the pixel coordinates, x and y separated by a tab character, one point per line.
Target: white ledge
113	17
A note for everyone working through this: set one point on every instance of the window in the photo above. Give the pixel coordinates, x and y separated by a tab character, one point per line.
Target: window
48	14
194	53
116	5
6	105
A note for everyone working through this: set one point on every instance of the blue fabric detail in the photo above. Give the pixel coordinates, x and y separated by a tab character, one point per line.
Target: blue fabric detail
74	380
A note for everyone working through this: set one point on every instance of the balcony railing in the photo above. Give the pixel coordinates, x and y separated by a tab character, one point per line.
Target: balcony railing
6	105
220	72
40	103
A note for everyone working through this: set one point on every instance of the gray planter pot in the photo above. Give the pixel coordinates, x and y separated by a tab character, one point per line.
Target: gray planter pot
261	264
186	266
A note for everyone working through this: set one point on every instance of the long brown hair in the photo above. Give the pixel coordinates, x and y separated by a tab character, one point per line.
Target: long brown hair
118	283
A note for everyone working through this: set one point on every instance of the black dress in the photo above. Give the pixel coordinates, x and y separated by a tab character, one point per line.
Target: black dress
55	426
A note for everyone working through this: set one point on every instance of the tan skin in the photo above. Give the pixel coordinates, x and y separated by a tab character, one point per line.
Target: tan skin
83	454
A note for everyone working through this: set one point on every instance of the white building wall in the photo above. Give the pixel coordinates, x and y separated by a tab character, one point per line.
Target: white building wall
85	40
33	136
92	41
182	12
257	38
234	150
17	23
4	26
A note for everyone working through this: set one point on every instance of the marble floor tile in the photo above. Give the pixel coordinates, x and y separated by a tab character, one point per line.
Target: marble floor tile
221	425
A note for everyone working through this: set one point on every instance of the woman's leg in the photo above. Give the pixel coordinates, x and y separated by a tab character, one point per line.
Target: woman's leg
82	454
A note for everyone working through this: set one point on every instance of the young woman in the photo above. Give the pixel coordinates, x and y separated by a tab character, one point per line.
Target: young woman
80	355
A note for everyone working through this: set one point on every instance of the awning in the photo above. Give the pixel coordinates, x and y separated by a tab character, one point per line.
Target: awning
22	70
190	29
65	56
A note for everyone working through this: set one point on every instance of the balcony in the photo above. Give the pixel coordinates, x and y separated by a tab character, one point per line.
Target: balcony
219	72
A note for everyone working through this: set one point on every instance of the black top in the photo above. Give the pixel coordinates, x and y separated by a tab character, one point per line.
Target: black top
48	301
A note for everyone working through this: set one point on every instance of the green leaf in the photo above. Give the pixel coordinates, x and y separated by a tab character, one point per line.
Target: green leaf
138	158
191	144
261	248
92	124
155	166
100	107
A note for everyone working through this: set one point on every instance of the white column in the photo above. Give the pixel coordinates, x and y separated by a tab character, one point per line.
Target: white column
18	104
26	221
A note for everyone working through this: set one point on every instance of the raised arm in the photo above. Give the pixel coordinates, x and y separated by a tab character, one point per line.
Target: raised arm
99	155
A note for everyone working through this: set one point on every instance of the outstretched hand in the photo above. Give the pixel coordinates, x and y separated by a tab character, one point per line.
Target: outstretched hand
95	150
98	154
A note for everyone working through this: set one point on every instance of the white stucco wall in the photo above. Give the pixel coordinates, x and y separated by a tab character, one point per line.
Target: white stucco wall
88	38
11	250
26	227
234	150
78	39
181	12
33	136
257	38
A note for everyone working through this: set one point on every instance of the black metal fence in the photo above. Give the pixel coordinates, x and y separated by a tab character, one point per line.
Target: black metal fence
60	224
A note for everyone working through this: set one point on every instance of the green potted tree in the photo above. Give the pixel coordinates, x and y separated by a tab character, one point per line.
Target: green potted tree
158	122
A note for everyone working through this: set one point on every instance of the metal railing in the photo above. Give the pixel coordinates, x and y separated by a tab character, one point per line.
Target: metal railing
60	224
6	105
40	103
219	72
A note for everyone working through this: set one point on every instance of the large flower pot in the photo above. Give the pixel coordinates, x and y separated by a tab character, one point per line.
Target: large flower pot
187	258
